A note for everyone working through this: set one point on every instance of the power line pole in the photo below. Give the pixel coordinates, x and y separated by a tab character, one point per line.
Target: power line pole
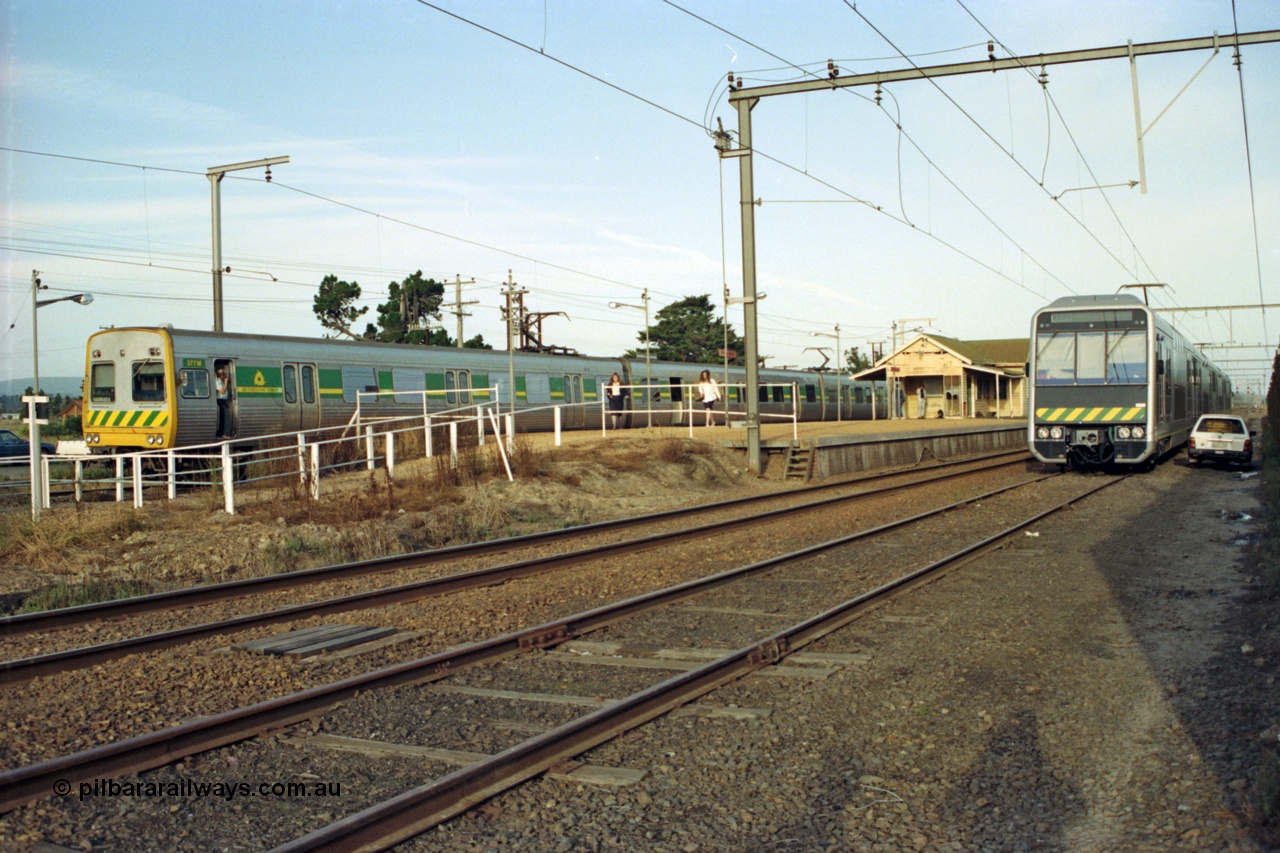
513	314
458	303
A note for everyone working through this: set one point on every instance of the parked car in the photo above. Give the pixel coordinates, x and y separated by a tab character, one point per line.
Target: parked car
1223	438
12	445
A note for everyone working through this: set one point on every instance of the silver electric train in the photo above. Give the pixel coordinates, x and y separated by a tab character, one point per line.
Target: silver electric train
148	388
1112	382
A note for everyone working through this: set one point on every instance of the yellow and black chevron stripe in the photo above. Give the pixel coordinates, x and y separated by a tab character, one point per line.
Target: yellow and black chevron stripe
102	418
1084	414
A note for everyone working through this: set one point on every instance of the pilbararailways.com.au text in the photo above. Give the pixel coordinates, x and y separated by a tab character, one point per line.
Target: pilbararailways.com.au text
110	788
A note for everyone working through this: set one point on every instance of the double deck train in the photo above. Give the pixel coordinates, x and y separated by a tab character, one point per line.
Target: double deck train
1114	383
154	387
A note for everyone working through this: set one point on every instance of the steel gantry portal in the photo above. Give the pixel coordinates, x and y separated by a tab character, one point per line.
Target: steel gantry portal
744	100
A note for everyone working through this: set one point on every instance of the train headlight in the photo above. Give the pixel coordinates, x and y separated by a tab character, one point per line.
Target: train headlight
159	440
151	439
1042	432
1056	433
1139	433
1123	433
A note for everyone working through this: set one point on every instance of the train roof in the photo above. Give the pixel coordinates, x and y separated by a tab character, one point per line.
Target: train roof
1095	301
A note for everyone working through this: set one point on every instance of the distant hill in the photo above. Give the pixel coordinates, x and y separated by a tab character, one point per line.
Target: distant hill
67	386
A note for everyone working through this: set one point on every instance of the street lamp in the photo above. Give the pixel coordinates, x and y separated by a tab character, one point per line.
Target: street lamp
37	485
648	408
839	362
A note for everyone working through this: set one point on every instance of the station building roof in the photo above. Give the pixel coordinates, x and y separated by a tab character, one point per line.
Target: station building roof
1001	356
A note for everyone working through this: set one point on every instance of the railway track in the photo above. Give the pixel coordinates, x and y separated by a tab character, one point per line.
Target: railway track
33	666
417	809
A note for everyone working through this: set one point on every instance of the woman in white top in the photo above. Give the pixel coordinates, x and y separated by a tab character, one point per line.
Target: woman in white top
709	394
615	394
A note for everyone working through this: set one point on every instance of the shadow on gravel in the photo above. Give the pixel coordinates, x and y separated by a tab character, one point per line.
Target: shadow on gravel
1182	576
1013	769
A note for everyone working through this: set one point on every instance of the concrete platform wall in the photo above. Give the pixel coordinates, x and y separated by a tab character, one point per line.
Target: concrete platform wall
847	454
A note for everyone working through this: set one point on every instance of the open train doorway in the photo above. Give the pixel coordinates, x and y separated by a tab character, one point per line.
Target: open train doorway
224	385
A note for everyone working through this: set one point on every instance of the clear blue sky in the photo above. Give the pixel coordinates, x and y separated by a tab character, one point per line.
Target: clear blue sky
482	154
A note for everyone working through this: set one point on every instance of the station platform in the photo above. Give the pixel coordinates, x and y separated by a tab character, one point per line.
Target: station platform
846	447
849	447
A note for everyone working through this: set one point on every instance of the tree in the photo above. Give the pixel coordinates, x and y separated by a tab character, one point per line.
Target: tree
334	305
689	331
856	362
409	302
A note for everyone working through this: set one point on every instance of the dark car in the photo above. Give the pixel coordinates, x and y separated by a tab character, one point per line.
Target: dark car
12	445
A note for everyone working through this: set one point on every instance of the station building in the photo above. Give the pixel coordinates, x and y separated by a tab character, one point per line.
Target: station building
961	379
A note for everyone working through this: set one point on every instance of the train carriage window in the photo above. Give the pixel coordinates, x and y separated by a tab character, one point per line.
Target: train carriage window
1056	358
148	382
1127	357
810	394
290	384
1091	358
356	380
464	386
778	392
408	385
451	387
308	384
677	389
102	383
763	391
537	389
193	382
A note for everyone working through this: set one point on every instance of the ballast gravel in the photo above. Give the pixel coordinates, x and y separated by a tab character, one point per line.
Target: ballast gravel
1104	682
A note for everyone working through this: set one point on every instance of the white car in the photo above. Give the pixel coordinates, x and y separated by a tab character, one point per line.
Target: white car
1224	438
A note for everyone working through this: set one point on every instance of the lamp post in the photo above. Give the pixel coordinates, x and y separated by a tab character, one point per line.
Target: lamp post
839	367
648	407
37	484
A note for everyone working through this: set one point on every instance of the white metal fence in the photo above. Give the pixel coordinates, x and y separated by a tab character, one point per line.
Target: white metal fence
366	442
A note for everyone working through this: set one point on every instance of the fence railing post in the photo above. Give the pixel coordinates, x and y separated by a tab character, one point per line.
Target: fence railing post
480	426
556	418
315	472
79	475
511	433
171	465
228	481
46	499
137	482
368	446
119	479
391	454
302	459
426	428
604	417
453	444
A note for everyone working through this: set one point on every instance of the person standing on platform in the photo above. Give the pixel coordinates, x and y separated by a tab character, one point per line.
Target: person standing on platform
921	401
709	394
614	393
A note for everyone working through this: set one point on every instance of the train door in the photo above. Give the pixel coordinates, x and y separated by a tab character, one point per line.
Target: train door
676	386
301	400
227	399
571	415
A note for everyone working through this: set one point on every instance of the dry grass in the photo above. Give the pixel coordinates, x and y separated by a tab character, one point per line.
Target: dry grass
51	543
